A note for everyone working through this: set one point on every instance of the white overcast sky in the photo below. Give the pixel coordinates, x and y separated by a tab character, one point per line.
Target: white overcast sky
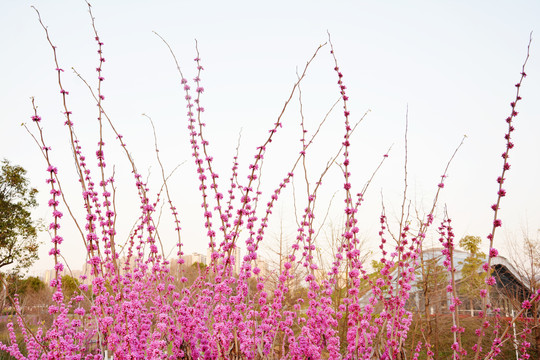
453	63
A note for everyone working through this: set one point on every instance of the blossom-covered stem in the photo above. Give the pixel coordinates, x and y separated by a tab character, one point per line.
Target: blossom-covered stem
141	186
490	281
447	240
59	309
525	305
73	139
275	195
110	232
195	147
34	343
306	233
56	283
262	149
54	192
173	209
204	142
349	210
233	180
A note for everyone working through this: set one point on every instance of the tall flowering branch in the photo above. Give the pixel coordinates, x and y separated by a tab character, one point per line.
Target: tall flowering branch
79	159
194	136
447	241
107	224
490	280
173	208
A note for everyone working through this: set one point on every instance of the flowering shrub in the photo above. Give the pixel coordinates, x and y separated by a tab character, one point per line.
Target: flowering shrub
141	307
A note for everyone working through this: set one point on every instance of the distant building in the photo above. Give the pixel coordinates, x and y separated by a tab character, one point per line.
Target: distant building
195	258
264	268
508	293
48	275
235	257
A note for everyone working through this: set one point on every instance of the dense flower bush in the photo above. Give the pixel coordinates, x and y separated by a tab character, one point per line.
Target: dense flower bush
141	307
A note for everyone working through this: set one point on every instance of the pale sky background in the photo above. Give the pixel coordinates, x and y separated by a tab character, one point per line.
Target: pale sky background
454	63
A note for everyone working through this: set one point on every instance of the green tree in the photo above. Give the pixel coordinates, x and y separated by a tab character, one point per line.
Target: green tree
30	290
70	286
18	234
23	287
472	275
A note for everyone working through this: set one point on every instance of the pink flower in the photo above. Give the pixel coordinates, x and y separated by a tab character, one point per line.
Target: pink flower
57	240
52	169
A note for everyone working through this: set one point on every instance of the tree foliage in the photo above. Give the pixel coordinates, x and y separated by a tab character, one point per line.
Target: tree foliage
70	286
18	234
473	276
24	286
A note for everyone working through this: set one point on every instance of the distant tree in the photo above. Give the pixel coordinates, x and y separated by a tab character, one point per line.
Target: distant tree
29	290
192	272
472	276
18	234
70	286
26	286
